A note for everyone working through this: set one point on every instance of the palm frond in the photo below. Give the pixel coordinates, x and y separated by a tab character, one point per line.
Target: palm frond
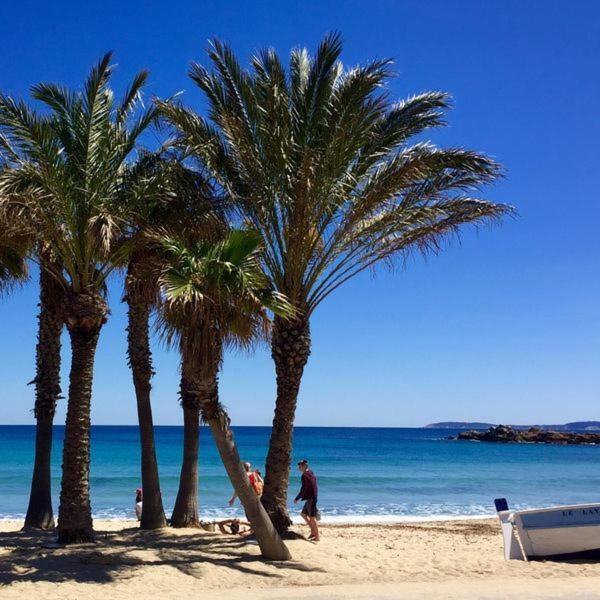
215	293
65	171
320	161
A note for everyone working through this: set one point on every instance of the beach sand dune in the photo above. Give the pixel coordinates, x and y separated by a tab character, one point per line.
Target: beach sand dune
450	559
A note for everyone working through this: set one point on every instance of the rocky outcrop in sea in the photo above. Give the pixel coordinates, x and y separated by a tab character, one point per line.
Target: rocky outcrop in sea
505	434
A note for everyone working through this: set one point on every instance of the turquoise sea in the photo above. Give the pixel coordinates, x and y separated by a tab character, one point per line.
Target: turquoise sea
364	474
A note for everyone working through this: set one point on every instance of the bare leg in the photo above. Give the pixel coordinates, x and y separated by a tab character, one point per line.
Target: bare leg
314	528
307	521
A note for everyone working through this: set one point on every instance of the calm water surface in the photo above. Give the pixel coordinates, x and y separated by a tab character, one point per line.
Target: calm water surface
364	474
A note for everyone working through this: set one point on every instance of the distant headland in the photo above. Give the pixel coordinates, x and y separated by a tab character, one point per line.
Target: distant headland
574	426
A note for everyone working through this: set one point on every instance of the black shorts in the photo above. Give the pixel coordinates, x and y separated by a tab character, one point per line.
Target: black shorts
310	508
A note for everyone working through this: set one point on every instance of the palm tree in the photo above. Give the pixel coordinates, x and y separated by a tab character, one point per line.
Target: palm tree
47	391
216	294
210	223
16	243
140	299
162	192
186	510
66	176
320	162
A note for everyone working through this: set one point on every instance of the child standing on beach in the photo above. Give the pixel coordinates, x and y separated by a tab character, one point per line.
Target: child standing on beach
309	492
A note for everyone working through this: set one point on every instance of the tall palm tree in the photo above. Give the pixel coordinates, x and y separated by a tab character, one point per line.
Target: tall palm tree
17	241
216	294
47	390
320	161
140	297
162	192
66	174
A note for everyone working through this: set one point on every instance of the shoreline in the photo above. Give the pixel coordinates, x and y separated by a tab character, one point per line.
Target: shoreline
329	521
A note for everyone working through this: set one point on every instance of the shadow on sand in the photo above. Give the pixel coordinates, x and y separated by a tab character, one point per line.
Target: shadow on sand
118	555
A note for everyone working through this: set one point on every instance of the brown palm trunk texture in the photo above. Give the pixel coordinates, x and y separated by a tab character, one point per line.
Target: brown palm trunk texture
140	362
185	511
47	392
290	349
269	541
84	316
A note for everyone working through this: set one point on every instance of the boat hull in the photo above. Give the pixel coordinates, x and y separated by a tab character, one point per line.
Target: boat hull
558	532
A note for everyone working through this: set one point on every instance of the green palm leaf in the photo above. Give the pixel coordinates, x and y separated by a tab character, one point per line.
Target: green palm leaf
66	171
320	162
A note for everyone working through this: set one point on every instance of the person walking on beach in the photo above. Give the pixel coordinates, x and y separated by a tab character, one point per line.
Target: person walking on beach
255	479
309	492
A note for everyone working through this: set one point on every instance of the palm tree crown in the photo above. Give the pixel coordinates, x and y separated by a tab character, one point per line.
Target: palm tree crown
66	170
320	162
216	293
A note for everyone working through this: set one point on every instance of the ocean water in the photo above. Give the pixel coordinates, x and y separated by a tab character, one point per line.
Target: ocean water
365	475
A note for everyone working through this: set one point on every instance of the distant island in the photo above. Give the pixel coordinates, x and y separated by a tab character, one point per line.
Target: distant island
575	426
505	434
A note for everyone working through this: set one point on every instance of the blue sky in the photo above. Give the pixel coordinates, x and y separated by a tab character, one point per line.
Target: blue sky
503	326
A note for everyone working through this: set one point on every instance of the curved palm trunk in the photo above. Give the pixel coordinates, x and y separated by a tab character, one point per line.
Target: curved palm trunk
140	361
185	512
47	392
290	349
85	315
271	544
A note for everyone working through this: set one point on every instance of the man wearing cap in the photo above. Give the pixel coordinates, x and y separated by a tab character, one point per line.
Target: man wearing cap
308	493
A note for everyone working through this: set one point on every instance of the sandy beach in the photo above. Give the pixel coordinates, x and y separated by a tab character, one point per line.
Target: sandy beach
446	559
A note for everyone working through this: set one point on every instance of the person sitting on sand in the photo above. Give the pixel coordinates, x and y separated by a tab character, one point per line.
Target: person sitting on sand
255	479
138	503
235	527
308	492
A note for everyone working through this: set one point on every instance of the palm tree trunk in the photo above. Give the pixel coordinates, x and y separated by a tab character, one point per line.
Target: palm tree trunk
85	315
140	361
185	512
271	544
39	512
47	392
290	349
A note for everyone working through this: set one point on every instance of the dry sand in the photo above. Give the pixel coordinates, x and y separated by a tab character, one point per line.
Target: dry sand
454	559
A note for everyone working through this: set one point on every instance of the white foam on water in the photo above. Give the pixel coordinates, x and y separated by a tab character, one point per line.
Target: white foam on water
297	520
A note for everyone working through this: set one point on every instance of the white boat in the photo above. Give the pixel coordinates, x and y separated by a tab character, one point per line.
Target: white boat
560	531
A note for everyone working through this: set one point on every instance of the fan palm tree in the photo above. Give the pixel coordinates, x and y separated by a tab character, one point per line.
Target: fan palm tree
162	192
215	294
209	222
320	161
65	175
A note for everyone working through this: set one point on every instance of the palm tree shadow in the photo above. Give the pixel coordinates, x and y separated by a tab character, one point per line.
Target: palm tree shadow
31	556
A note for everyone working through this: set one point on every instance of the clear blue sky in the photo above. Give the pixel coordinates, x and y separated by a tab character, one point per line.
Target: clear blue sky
504	326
